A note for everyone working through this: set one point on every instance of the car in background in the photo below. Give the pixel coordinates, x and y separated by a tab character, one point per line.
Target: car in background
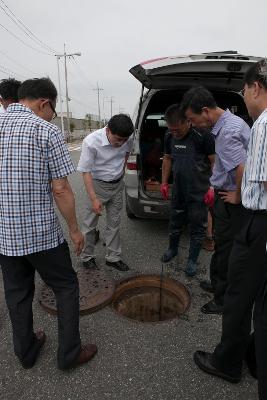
166	80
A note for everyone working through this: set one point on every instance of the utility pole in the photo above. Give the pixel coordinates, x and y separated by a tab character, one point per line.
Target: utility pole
65	55
111	102
60	96
98	89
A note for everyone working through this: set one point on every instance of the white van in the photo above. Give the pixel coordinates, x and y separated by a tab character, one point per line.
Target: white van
167	79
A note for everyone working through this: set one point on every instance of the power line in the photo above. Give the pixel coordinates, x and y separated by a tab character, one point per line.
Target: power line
22	41
12	72
15	61
24	28
81	71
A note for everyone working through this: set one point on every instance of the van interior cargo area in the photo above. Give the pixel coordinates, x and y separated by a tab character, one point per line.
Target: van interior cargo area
154	127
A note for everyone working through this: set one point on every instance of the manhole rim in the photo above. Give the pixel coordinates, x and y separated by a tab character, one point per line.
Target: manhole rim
122	280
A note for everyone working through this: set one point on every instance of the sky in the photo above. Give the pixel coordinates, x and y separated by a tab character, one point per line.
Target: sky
113	36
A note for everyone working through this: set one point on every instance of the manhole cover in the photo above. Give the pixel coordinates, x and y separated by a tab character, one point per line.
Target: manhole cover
96	291
147	298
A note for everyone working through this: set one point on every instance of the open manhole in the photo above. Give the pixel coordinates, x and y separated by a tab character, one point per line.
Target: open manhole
96	291
150	298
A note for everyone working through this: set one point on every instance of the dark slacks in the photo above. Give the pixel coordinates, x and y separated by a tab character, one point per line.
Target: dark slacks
194	214
260	326
228	220
247	270
55	268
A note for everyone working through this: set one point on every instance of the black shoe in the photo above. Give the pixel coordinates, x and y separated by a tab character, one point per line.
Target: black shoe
29	361
207	286
120	265
90	264
168	255
212	308
250	357
203	361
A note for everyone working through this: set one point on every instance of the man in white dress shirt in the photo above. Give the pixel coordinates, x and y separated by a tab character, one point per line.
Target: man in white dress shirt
102	163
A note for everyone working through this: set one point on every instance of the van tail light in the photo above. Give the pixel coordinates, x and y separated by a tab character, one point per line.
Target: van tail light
132	163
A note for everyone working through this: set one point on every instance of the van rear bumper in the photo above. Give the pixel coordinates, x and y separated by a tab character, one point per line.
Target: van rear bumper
145	208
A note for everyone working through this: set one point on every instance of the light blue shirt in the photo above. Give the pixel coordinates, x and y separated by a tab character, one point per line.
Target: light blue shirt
254	194
104	161
231	141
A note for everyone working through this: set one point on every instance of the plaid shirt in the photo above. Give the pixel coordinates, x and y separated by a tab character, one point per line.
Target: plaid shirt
32	153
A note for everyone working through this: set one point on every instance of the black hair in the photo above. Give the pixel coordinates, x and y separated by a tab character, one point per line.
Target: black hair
9	89
196	98
121	125
257	73
174	114
36	88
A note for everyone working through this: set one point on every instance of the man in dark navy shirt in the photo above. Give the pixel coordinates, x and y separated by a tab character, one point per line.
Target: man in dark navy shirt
188	154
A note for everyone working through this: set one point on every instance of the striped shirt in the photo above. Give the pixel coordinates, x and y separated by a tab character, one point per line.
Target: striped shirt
254	194
231	142
32	153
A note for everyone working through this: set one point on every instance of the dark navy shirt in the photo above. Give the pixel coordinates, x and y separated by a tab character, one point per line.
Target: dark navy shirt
190	163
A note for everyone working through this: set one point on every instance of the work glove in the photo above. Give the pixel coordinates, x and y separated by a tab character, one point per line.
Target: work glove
209	198
164	189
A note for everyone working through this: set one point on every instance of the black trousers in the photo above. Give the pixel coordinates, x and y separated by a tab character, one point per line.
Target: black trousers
228	219
55	268
260	326
194	214
247	271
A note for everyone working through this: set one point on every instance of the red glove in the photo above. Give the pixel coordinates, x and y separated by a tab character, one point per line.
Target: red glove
164	189
209	198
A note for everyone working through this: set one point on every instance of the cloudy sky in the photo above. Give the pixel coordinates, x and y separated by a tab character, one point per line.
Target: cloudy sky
114	35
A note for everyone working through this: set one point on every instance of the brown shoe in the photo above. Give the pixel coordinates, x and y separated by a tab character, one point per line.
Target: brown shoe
88	351
208	244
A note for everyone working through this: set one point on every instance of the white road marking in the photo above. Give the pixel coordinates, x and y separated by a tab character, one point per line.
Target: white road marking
75	148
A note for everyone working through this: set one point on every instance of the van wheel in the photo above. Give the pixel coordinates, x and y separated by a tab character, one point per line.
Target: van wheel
129	212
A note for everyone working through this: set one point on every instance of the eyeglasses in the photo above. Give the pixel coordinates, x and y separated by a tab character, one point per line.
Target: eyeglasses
242	92
53	109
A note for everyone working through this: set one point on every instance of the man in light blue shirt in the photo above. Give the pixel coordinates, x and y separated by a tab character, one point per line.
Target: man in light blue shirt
231	140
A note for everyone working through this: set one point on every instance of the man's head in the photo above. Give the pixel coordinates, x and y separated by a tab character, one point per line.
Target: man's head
177	123
119	129
9	91
199	107
40	96
255	88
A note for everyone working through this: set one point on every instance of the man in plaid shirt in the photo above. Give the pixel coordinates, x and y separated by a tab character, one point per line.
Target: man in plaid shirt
34	165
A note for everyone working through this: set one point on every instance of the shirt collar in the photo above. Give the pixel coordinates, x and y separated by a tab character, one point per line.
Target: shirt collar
105	141
17	107
219	124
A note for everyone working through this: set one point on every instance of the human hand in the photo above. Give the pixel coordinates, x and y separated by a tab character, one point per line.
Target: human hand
231	196
209	198
164	189
97	206
77	239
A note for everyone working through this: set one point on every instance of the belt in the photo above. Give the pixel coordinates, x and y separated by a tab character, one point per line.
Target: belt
112	182
259	211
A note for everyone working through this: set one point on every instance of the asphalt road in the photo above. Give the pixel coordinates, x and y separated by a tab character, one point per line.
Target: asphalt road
135	361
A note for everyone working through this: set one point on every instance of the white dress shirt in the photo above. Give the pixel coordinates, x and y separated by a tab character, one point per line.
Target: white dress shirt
104	161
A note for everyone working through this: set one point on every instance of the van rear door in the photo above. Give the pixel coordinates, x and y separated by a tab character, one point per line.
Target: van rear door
223	70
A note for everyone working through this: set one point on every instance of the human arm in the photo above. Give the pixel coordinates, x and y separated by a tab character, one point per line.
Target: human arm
65	202
234	196
96	203
211	158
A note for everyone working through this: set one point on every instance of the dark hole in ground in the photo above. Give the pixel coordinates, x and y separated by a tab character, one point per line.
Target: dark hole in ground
148	299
